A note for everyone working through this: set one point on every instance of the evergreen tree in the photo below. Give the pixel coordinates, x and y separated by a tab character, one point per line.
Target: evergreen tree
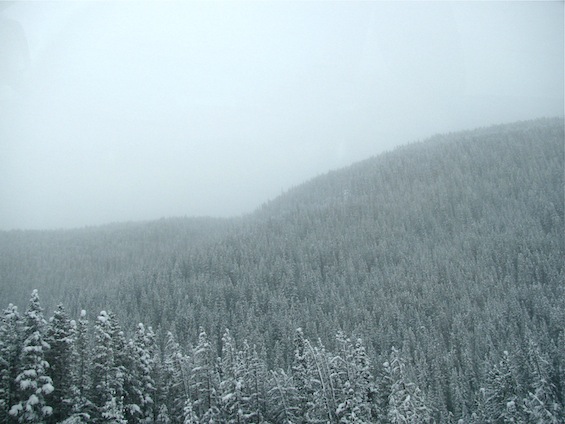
541	404
113	410
33	383
231	385
405	400
254	379
300	375
60	337
204	379
80	370
163	415
283	401
140	390
323	405
353	381
175	379
189	416
122	357
502	402
107	377
10	351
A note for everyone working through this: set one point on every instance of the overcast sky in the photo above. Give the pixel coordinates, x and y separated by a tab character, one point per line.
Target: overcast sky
119	111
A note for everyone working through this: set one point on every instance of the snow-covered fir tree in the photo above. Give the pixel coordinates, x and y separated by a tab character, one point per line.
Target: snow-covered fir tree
107	375
540	404
60	337
33	382
406	403
204	382
140	386
10	351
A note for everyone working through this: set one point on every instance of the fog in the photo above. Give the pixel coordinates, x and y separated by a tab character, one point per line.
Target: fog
129	111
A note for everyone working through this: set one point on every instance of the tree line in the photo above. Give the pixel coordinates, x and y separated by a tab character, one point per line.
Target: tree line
69	371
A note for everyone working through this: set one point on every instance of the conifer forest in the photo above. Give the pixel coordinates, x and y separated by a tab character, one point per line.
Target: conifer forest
423	285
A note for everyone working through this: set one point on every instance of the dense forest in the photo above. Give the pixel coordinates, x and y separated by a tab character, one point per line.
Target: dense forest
422	285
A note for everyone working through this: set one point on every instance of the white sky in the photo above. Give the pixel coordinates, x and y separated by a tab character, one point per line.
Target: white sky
116	111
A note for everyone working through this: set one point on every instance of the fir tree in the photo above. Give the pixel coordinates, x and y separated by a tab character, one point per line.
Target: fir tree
353	381
175	379
33	382
10	351
405	400
80	370
60	337
163	415
502	402
140	390
107	376
541	404
254	378
283	400
203	377
300	374
189	416
231	385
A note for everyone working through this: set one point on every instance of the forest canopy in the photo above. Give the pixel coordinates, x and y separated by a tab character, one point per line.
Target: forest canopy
426	282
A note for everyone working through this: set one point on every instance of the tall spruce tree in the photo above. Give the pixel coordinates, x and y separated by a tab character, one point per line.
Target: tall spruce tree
80	369
231	395
107	377
300	375
10	351
60	337
204	380
541	404
502	400
406	402
33	383
140	390
175	379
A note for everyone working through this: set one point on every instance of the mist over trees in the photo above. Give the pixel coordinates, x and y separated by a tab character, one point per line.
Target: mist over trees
425	284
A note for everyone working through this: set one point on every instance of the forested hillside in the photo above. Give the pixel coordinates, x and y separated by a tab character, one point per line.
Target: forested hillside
442	261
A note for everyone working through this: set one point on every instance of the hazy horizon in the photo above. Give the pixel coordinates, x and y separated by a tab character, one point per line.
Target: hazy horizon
134	111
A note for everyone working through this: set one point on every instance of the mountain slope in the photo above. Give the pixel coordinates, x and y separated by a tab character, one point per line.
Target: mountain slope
450	249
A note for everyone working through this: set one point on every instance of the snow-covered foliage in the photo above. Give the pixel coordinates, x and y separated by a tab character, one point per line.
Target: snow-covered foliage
33	381
451	250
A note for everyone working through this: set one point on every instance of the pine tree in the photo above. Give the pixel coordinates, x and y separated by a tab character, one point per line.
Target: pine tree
405	401
283	400
33	382
107	375
204	379
10	351
122	357
113	410
140	390
502	402
60	337
325	401
254	375
82	407
189	416
541	404
353	381
300	374
231	385
163	415
175	383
